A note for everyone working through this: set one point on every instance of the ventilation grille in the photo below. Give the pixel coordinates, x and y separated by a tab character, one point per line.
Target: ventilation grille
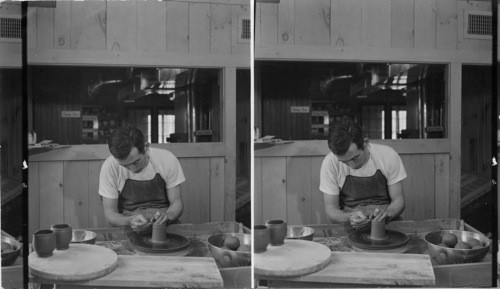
244	30
10	28
478	24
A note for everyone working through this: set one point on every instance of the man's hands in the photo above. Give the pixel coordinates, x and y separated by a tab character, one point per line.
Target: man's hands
360	221
140	223
160	218
379	215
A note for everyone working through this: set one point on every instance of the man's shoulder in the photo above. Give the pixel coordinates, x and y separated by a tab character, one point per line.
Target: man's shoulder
110	166
161	152
331	161
382	149
110	161
163	158
330	157
385	156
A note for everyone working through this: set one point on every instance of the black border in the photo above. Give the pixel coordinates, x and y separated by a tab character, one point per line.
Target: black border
494	141
24	138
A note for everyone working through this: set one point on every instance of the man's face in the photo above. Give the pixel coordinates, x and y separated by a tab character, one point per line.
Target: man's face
355	157
135	161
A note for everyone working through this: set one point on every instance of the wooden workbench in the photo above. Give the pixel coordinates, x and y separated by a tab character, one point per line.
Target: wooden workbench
138	269
334	236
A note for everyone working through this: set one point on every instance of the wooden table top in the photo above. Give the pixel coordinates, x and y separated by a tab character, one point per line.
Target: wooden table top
376	269
335	237
155	271
195	269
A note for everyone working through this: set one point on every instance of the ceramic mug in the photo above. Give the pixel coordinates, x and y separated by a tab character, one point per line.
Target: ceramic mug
277	231
159	234
378	230
64	233
261	238
44	242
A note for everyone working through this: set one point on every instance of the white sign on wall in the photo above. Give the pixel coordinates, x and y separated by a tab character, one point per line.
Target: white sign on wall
70	113
299	109
203	132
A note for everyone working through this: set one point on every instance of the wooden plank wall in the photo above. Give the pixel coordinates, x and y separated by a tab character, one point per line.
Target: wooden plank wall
10	123
51	101
70	190
278	95
429	24
423	31
289	188
139	26
174	33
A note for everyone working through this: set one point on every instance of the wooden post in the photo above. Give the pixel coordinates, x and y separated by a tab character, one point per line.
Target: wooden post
229	138
455	118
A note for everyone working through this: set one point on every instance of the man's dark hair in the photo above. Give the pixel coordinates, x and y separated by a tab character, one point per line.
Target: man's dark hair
124	139
342	134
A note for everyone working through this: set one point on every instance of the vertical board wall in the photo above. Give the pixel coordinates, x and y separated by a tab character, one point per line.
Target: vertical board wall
398	31
179	33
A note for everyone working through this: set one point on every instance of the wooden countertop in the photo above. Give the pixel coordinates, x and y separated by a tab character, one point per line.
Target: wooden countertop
374	269
320	147
101	151
155	271
163	271
334	236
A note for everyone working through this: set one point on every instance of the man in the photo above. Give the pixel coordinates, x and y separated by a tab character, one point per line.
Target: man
360	181
139	185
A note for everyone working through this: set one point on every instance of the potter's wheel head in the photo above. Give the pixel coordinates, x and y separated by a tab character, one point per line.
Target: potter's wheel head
173	243
393	240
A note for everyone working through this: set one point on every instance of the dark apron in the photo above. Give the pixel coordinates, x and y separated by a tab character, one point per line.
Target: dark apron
138	196
364	191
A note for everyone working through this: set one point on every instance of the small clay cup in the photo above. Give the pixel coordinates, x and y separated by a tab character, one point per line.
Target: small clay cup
378	230
277	231
44	242
159	234
261	238
64	233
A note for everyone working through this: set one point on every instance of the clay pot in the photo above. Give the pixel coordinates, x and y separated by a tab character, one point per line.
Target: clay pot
44	242
378	230
261	238
277	231
64	233
159	234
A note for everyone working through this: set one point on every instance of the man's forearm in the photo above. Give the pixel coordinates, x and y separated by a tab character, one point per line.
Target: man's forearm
118	220
174	211
395	209
338	216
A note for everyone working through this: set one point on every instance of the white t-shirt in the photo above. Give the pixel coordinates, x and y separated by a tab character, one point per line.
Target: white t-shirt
334	172
113	176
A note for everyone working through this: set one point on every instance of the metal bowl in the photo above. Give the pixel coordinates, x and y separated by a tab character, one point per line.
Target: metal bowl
9	257
83	237
227	258
300	233
442	255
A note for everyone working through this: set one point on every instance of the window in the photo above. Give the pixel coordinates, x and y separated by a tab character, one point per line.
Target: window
398	123
301	100
84	105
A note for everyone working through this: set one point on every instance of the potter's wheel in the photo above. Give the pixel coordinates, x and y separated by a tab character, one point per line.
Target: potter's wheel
173	243
393	240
